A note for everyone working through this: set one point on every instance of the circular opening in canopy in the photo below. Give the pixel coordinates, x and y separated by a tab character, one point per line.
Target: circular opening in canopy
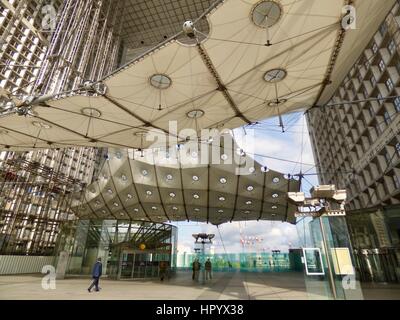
277	103
275	75
160	81
266	13
195	114
91	112
41	125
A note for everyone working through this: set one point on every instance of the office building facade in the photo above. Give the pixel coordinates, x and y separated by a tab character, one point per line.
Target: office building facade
356	144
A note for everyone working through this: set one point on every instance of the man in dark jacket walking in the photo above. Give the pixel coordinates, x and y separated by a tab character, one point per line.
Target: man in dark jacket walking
96	274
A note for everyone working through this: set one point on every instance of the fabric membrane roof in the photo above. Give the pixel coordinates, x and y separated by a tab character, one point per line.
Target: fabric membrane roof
242	72
148	186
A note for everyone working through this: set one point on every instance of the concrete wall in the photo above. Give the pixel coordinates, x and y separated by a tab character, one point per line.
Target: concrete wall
23	264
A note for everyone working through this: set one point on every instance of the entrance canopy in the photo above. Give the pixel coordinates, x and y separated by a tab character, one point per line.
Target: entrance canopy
255	59
216	185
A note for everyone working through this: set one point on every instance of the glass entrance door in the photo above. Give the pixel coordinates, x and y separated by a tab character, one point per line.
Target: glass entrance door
137	265
127	265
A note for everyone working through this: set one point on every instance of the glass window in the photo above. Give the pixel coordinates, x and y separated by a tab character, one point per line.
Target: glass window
392	46
371	111
375	48
396	181
383	28
373	81
397	104
381	65
380	100
387	158
389	84
387	117
359	77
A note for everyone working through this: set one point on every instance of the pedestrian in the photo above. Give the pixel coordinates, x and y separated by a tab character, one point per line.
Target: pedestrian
208	267
196	269
96	274
163	270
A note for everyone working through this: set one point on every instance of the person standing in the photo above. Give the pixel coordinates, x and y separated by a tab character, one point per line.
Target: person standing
96	274
196	269
208	267
163	270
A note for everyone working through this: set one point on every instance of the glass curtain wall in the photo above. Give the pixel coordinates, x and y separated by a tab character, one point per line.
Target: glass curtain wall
128	249
327	258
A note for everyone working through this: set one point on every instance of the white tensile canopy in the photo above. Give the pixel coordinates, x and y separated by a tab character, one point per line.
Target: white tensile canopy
182	186
260	59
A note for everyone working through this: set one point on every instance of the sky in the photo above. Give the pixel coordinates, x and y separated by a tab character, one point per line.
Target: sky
269	141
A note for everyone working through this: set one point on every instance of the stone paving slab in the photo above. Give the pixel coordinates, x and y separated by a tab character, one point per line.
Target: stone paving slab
223	286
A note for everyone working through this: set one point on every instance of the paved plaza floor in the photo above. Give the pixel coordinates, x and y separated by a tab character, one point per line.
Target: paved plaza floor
224	286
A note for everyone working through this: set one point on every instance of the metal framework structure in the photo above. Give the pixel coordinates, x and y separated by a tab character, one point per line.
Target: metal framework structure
84	46
35	184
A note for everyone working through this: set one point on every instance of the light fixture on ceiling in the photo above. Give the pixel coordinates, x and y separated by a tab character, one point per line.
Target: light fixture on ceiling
149	193
196	209
276	180
195	178
220	211
250	188
275	195
274	207
252	169
116	204
169	177
196	196
124	178
154	208
264	169
172	195
195	155
221	199
174	208
145	173
109	191
129	196
223	180
224	157
136	210
248	202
